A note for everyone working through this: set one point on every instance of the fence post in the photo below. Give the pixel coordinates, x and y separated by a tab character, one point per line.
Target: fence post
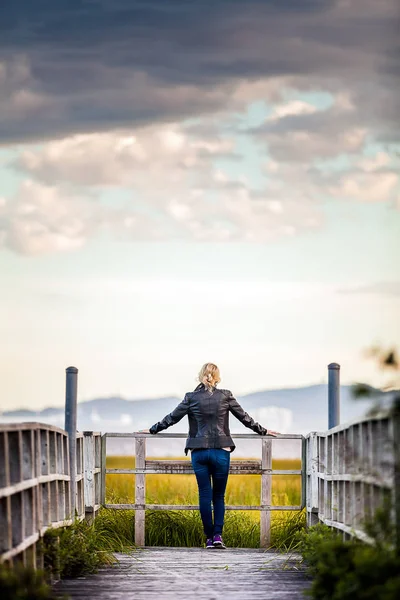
88	470
304	479
266	492
140	491
103	464
312	479
71	392
333	395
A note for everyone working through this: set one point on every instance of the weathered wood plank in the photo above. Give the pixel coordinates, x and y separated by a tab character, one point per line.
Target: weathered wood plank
175	573
29	426
359	478
103	469
312	494
182	467
140	492
88	465
266	492
196	507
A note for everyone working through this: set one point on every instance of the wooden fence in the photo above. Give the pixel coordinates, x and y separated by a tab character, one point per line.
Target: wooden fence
346	473
144	467
350	470
35	485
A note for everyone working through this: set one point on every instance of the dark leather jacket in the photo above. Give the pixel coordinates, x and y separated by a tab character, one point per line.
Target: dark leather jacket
208	413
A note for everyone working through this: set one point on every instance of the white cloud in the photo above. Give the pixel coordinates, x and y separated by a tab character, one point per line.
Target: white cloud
118	158
175	188
367	187
294	107
170	169
373	163
42	219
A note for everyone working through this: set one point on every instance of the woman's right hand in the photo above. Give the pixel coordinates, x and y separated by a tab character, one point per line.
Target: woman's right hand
273	433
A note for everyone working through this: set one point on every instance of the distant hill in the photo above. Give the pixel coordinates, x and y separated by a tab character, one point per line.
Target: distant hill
291	410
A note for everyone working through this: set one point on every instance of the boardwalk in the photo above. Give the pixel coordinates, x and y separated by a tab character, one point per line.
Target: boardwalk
173	573
48	474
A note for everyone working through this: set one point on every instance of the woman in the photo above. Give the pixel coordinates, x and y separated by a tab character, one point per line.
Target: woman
210	443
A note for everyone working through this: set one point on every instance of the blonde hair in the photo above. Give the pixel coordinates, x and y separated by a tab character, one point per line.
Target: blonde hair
209	375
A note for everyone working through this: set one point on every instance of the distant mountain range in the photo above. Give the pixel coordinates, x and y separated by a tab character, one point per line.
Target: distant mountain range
291	410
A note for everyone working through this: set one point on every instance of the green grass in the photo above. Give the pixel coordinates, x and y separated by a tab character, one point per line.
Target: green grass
184	528
24	583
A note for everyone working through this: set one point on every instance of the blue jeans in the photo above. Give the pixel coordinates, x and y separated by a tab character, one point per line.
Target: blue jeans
211	465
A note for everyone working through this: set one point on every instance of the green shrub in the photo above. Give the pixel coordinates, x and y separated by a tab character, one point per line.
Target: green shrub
75	550
23	583
351	569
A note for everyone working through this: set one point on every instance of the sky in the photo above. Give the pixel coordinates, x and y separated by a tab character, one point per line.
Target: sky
184	182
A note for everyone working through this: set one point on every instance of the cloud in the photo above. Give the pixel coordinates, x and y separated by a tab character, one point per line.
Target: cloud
367	187
124	157
324	152
79	67
172	189
294	107
151	100
299	132
41	218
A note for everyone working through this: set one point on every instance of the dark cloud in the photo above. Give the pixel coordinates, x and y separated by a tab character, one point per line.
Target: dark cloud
362	115
86	65
303	138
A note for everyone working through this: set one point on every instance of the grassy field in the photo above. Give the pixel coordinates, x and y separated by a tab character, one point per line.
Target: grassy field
183	528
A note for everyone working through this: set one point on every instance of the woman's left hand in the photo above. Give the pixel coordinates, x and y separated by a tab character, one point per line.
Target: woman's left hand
143	431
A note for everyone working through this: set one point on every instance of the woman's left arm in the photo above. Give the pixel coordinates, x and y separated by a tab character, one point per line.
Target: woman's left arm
174	417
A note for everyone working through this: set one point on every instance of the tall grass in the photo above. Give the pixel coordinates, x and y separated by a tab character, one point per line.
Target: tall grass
184	528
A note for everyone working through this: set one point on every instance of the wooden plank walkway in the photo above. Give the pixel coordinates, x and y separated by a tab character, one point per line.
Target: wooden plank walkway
174	573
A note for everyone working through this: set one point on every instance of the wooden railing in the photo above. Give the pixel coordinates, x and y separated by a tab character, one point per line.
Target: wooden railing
350	470
35	485
145	467
346	472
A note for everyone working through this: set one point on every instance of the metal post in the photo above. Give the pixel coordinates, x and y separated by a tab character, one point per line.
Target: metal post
71	390
333	395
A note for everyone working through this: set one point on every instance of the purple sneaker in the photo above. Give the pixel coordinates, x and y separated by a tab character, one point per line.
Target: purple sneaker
209	543
218	542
